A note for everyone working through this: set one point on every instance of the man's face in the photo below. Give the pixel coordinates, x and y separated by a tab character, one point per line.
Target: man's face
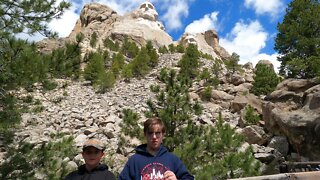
154	137
92	156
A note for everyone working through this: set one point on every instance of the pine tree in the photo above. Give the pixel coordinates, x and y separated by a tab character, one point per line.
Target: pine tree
129	49
174	107
94	67
216	153
65	61
189	63
265	80
18	16
117	64
27	160
94	39
154	58
140	64
163	50
232	63
298	40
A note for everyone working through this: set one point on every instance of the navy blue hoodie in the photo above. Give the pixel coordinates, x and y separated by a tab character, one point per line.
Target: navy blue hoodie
144	166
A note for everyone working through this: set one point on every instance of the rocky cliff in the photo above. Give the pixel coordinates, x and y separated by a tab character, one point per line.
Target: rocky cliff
139	26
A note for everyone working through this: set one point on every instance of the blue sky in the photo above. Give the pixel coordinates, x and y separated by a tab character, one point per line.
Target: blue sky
247	27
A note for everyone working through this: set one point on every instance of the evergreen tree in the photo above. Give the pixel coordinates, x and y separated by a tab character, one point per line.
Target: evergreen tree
129	125
298	41
180	48
251	116
216	153
65	61
94	39
154	58
172	48
106	80
94	67
189	63
18	16
174	107
113	46
232	63
117	64
163	50
27	160
20	64
140	64
129	49
127	72
265	80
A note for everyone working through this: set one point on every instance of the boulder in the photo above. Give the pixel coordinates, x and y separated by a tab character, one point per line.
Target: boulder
241	101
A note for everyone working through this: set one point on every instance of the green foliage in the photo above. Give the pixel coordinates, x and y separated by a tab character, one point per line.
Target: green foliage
215	152
113	46
232	63
65	62
180	48
20	64
163	74
206	56
46	160
94	39
117	64
265	80
130	125
251	116
96	73
18	16
106	81
206	94
189	63
48	85
174	107
127	72
216	67
205	75
154	58
129	49
140	64
163	50
172	48
9	111
298	40
94	68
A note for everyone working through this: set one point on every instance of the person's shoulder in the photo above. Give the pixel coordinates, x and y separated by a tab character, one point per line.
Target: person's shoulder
109	175
71	175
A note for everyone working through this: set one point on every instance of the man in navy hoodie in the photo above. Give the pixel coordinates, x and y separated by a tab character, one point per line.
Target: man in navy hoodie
152	161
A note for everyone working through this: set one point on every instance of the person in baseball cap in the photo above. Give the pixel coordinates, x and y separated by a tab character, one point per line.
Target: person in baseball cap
92	153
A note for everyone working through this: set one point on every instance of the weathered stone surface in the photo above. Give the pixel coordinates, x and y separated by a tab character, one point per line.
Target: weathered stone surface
241	101
254	135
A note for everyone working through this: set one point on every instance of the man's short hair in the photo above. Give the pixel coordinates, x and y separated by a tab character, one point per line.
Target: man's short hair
93	143
149	123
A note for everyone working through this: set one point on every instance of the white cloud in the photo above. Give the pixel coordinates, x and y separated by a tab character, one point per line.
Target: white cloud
175	12
209	21
247	40
272	58
271	7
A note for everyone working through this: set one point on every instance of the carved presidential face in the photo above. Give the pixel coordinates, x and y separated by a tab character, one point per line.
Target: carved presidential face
148	11
146	6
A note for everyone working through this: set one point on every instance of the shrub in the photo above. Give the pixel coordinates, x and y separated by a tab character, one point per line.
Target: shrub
265	80
251	116
206	94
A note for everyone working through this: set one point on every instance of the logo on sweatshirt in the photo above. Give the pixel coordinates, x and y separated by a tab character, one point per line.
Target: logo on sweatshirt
153	171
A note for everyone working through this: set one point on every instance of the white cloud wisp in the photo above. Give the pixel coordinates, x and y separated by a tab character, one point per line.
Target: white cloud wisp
209	21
